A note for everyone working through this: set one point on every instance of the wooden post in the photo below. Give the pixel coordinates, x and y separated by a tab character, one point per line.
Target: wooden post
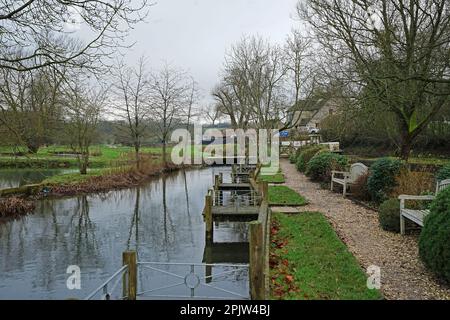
216	181
257	290
265	190
209	220
130	277
216	189
207	259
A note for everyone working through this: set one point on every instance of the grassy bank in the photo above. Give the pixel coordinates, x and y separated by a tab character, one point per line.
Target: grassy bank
76	177
101	156
285	196
110	167
276	178
309	261
103	180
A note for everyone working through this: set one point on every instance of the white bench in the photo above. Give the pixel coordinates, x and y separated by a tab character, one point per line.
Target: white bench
347	178
417	216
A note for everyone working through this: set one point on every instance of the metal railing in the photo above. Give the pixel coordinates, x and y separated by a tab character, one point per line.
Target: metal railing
190	279
199	285
236	199
106	289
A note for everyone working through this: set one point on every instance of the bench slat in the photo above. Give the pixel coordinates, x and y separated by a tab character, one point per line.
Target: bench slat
416	216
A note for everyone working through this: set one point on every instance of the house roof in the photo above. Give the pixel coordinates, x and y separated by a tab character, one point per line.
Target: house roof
310	104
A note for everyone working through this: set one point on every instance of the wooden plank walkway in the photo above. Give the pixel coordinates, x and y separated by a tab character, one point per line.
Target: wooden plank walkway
233	213
233	186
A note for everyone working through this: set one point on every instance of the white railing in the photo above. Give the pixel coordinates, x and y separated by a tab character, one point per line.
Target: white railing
190	279
106	289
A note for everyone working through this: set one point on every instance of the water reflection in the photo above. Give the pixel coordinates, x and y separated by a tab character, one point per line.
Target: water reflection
161	220
12	178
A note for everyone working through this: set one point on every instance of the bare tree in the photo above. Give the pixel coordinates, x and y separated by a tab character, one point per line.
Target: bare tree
257	70
31	104
301	78
130	102
170	93
82	114
231	104
191	107
212	113
32	32
263	85
391	53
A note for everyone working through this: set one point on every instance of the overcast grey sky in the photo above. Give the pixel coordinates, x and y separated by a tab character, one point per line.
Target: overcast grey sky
195	34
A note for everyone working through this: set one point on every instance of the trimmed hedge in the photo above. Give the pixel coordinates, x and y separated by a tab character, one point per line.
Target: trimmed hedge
306	154
443	173
389	215
434	241
382	178
320	166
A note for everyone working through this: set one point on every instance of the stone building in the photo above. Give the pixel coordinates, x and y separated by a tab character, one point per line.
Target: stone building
312	114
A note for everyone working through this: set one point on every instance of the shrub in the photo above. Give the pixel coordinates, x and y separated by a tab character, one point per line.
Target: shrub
359	188
12	207
305	155
382	178
434	241
389	215
443	173
293	157
413	182
320	166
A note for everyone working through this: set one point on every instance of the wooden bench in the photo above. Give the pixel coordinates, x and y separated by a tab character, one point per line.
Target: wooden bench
348	178
414	215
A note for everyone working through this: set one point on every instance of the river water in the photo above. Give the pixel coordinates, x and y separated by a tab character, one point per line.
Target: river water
161	220
12	178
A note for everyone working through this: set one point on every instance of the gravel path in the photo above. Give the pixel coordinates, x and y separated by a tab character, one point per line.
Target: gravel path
403	275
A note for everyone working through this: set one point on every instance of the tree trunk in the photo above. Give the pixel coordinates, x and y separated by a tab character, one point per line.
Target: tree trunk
84	162
405	146
32	148
137	157
164	154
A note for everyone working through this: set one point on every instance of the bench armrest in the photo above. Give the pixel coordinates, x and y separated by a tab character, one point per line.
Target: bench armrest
404	197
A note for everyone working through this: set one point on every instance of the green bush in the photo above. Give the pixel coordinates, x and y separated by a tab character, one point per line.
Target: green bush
389	215
305	155
320	166
293	157
382	177
434	241
443	173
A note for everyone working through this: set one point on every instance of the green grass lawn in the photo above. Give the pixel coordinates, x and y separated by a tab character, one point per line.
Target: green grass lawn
103	160
276	178
102	156
75	177
285	196
315	262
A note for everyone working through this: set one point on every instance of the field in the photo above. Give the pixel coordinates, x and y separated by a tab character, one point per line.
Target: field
62	156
